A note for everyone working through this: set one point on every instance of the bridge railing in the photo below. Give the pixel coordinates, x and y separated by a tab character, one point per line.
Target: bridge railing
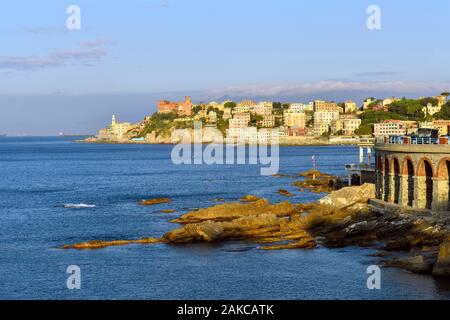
412	140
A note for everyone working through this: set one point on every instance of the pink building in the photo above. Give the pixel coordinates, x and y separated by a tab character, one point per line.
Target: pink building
182	108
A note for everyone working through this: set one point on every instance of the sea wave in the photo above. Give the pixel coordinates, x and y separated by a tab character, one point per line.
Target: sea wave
78	206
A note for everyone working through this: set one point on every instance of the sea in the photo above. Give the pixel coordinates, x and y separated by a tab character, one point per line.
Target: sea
55	191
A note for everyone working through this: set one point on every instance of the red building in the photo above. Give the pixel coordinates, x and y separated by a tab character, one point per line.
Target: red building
181	108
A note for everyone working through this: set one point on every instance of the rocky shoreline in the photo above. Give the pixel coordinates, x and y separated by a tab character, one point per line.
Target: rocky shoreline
418	242
285	142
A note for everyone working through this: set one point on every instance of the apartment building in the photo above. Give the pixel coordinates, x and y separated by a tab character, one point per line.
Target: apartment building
348	124
268	121
263	108
300	107
240	120
326	106
389	128
294	119
325	117
442	125
245	106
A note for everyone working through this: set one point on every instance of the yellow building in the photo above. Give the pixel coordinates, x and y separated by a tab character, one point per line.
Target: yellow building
292	119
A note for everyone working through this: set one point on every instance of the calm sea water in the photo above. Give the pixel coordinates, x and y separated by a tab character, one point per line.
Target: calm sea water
40	175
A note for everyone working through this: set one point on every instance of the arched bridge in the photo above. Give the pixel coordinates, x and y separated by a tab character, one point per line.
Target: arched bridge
414	175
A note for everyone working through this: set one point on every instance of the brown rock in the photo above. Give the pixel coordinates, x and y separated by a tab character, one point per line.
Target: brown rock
398	245
286	193
230	211
442	266
151	202
100	244
347	197
304	243
247	227
417	264
168	211
249	198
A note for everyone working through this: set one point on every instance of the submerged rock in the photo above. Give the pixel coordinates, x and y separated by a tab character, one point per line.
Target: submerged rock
306	242
100	244
151	202
285	193
417	264
168	211
249	198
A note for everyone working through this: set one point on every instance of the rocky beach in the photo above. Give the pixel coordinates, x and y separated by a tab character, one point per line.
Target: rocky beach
418	242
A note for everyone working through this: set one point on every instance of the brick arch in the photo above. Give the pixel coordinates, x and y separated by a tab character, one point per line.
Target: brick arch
387	185
392	164
387	160
420	171
380	163
442	170
404	166
396	171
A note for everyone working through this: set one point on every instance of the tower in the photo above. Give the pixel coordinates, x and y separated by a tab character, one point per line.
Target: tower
113	122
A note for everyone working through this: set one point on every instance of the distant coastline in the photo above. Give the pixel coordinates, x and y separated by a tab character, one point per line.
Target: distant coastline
284	141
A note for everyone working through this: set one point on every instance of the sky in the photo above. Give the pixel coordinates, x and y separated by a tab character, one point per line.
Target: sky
128	54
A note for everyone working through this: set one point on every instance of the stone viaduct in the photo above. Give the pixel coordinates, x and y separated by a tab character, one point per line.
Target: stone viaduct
414	175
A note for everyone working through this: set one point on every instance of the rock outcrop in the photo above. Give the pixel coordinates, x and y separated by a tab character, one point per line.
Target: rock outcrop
347	197
442	266
342	218
249	198
285	193
230	211
151	202
100	244
416	264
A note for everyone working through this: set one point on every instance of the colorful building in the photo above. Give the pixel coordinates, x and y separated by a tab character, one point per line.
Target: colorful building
181	108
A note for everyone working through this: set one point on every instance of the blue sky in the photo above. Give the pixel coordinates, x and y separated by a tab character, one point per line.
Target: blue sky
238	48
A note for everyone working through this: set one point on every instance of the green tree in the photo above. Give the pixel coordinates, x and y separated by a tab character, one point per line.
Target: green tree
197	109
255	118
444	114
230	104
364	130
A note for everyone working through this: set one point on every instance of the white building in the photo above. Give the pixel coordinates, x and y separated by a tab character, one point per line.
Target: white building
300	107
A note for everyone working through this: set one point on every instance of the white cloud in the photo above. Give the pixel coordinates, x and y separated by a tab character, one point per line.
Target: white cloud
53	59
329	86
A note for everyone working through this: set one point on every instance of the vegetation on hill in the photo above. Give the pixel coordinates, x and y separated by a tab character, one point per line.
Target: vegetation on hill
444	114
160	123
404	109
